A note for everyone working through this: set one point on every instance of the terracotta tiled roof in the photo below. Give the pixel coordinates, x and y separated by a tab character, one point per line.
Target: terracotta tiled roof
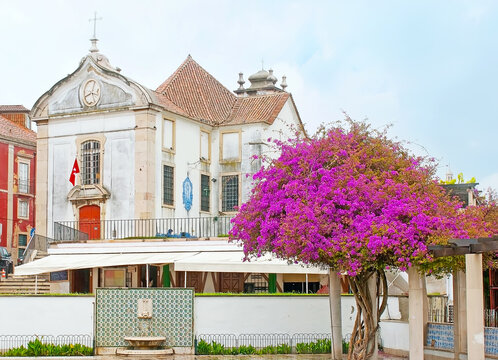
11	130
194	92
262	108
13	108
198	93
169	105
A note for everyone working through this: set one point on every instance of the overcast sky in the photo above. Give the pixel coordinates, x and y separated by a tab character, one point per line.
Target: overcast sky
429	68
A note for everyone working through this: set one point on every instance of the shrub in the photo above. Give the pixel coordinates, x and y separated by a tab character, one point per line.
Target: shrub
37	348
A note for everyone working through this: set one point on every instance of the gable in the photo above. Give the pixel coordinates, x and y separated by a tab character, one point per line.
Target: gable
91	87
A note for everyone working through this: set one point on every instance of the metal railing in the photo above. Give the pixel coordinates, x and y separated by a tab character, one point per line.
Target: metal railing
67	233
259	341
25	187
439	309
490	318
8	342
37	243
192	227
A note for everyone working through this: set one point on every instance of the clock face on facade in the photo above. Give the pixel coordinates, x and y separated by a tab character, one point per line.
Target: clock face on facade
91	92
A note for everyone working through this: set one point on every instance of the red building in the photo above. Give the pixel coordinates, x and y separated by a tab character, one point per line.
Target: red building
17	178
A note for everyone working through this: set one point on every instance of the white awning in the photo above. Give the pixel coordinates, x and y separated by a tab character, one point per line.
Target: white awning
85	261
211	261
233	262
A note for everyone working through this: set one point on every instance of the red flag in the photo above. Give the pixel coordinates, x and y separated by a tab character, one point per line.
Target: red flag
76	170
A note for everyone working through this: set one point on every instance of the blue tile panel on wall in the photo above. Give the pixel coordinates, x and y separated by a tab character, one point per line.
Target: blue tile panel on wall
491	340
172	316
440	336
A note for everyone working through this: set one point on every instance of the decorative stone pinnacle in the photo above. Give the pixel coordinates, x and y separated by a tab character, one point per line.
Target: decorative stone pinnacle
284	82
241	81
272	77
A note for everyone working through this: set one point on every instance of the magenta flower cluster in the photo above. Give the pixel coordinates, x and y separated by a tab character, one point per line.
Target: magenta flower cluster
348	199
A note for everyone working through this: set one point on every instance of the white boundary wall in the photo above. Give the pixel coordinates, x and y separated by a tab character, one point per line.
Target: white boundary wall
73	315
268	314
46	315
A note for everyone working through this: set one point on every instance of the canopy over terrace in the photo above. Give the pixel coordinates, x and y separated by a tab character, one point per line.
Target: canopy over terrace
208	256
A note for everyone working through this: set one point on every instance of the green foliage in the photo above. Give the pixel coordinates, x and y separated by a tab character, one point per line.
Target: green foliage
345	347
203	348
321	346
37	348
247	350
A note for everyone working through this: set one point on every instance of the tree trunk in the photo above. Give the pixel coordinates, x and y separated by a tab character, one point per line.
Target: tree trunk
363	344
335	314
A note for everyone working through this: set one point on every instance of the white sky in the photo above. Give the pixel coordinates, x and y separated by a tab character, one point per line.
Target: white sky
428	68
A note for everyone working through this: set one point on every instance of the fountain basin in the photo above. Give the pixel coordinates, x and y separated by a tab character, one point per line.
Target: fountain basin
145	342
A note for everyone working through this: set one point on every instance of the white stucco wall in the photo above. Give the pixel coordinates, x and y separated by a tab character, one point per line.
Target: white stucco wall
267	314
47	315
395	335
74	315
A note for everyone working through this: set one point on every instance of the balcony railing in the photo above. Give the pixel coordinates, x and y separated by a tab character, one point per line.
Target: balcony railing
25	187
37	245
192	227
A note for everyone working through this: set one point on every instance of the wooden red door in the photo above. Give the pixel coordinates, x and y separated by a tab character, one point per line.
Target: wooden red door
90	221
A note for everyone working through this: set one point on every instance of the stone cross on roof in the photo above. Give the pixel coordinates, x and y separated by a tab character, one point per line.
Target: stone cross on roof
94	38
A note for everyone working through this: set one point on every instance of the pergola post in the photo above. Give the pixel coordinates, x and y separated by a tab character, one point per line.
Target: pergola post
416	312
459	314
335	313
372	288
475	301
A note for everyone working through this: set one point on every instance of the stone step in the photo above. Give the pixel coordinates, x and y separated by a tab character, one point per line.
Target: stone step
145	354
24	284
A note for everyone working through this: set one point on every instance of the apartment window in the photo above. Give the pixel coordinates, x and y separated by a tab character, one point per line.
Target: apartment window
230	147
23	209
23	176
90	162
205	146
168	184
229	192
168	134
205	190
22	242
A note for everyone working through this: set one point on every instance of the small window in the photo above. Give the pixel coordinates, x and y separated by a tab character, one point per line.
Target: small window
230	146
90	162
22	242
59	275
23	209
23	173
168	134
168	182
229	192
205	190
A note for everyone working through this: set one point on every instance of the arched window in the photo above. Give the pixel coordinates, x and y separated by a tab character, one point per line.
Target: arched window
90	162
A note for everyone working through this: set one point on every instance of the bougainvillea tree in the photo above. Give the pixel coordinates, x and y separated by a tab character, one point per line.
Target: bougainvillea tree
352	200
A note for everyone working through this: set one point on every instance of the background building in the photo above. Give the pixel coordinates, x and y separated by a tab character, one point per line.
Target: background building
17	178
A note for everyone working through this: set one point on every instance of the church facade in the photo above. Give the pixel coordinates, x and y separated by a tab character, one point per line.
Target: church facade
118	161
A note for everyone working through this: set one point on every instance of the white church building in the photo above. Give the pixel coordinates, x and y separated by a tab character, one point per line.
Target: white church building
157	174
